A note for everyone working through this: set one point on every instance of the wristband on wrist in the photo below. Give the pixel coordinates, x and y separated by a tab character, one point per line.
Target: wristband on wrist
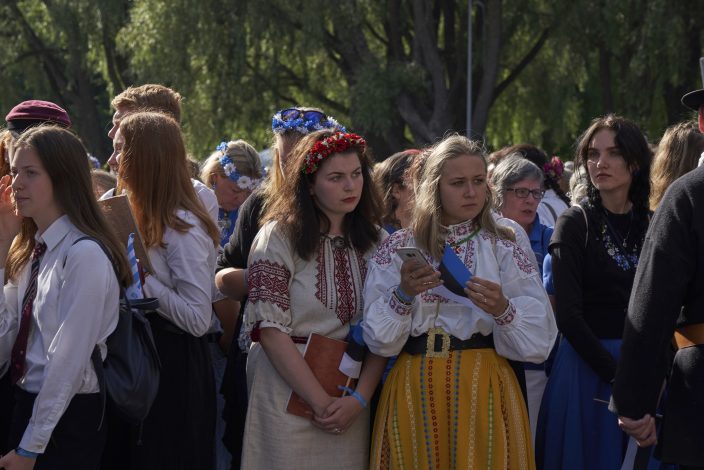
403	297
25	453
354	393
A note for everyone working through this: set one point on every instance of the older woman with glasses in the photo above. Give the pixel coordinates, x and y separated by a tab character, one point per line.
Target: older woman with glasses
518	186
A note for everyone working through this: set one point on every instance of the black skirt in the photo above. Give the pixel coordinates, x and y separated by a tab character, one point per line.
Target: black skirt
77	440
179	432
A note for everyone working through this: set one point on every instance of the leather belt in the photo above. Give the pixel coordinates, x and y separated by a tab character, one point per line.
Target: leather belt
690	335
438	343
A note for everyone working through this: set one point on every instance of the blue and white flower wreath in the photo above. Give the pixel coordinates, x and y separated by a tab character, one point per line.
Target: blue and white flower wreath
228	166
317	122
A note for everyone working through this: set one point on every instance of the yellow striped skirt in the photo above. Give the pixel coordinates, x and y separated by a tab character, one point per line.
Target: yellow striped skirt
463	411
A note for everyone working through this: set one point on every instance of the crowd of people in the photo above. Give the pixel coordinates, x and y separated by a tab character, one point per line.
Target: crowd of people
554	351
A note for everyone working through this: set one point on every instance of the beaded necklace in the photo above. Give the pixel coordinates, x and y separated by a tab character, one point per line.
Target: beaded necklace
617	247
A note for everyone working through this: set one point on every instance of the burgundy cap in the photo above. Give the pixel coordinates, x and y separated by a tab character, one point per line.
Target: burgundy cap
33	112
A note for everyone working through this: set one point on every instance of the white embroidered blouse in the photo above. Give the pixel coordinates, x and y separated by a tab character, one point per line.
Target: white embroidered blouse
526	333
300	297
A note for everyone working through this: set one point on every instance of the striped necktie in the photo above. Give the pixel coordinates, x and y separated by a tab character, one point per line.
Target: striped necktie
19	350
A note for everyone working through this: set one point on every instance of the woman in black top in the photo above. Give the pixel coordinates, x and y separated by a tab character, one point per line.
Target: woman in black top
595	250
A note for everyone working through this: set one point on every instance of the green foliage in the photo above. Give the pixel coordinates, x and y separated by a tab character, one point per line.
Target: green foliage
237	61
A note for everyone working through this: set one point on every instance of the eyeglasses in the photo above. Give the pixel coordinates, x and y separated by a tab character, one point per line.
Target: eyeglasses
294	113
524	192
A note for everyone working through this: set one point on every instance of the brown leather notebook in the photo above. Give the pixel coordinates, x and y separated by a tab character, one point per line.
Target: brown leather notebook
323	356
119	216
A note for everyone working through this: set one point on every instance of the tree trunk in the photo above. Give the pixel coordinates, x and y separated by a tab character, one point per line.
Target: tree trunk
491	51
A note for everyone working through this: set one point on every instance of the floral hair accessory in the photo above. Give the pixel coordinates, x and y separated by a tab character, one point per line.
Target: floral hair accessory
230	170
554	168
304	122
337	143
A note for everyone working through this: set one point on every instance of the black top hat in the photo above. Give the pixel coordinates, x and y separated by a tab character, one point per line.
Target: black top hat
694	99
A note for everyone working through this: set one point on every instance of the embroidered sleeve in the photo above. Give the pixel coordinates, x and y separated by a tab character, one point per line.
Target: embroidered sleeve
387	321
520	258
387	249
526	331
268	282
270	270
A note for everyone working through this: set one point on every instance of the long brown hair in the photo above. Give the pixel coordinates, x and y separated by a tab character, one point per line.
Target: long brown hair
153	167
677	154
389	175
64	159
302	221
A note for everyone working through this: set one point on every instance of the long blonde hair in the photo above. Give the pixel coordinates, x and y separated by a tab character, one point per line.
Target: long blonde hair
678	153
426	223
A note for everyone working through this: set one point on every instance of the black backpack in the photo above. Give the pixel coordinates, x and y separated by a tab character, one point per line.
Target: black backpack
129	376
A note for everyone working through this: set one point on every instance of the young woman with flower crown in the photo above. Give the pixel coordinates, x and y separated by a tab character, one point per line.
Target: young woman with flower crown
232	172
289	126
452	399
306	273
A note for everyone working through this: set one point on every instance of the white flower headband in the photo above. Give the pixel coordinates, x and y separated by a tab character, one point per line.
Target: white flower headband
228	166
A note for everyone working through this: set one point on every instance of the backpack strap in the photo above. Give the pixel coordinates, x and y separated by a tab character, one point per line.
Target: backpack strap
586	222
95	356
551	209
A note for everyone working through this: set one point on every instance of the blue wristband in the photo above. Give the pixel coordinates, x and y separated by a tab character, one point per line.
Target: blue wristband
354	393
403	297
25	453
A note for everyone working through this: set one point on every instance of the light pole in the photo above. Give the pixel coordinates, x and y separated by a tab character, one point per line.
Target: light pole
469	69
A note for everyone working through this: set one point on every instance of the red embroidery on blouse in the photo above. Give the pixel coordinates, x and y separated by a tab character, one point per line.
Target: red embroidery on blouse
321	285
509	316
519	256
342	296
346	301
387	249
268	282
399	307
362	263
429	298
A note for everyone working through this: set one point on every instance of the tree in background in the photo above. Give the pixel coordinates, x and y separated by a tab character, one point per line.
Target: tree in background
393	70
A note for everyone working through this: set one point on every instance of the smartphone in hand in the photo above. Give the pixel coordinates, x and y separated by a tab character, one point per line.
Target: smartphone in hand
411	253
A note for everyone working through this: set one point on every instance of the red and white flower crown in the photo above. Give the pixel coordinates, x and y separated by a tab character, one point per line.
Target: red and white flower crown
339	142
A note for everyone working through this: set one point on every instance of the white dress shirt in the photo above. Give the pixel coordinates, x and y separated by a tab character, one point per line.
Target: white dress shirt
76	307
183	276
526	333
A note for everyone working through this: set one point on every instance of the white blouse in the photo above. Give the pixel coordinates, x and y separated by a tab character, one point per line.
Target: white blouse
526	333
183	276
75	308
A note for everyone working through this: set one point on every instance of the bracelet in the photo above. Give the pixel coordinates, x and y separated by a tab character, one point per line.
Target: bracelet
25	453
403	297
354	393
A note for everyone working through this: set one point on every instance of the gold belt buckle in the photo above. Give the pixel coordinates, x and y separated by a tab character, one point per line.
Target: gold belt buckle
430	344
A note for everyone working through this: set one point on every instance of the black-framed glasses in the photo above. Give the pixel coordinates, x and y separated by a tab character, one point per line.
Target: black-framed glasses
294	113
524	192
